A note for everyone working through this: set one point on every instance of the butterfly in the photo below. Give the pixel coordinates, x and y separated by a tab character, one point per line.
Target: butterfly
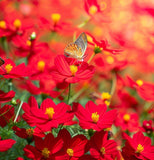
77	49
1	61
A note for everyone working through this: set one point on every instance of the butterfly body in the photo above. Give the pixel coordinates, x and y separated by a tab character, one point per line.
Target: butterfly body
78	48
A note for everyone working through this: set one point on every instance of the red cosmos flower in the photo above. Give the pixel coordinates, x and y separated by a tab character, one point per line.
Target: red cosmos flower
6	114
44	148
12	27
28	133
138	147
94	116
73	147
127	121
6	144
101	148
5	97
48	115
102	45
28	46
10	70
54	23
67	70
144	89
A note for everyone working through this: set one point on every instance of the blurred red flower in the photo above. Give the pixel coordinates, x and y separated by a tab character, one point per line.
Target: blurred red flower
138	147
6	144
6	114
48	116
5	97
127	121
101	148
147	127
94	116
67	70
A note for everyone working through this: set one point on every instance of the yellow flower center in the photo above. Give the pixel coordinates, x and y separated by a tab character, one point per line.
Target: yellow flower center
140	148
28	43
107	102
102	150
17	23
50	112
55	17
95	117
139	82
2	24
107	129
8	68
41	66
30	132
70	152
93	9
126	117
45	153
110	59
103	6
73	69
105	96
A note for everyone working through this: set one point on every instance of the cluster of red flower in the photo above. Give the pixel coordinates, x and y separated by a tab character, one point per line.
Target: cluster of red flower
76	101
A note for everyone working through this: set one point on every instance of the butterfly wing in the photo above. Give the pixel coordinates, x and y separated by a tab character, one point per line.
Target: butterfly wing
81	42
71	50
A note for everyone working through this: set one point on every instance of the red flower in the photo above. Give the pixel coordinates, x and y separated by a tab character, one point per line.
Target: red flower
101	148
127	121
73	147
5	97
28	133
10	70
94	116
102	45
6	144
44	148
48	115
65	69
138	147
144	89
6	114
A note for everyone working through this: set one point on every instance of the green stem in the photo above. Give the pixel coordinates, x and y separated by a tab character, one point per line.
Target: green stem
76	95
69	93
18	111
84	23
114	82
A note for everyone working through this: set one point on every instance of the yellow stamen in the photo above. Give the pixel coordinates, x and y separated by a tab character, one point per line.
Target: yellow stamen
95	117
93	9
109	59
30	132
70	152
50	112
2	24
102	150
8	68
139	82
126	117
107	129
28	43
73	69
41	66
140	148
105	96
17	23
45	153
107	102
55	17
